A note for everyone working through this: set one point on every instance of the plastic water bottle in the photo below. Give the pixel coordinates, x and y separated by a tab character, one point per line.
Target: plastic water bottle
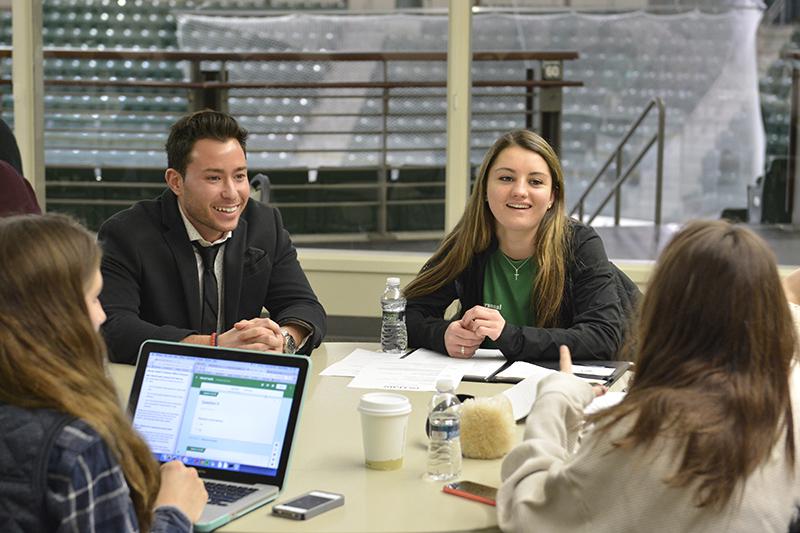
444	446
394	338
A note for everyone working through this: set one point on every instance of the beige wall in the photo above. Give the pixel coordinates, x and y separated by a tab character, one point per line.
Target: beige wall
567	4
389	5
350	282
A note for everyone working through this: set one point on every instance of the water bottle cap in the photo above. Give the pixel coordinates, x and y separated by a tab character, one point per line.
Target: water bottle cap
445	384
393	281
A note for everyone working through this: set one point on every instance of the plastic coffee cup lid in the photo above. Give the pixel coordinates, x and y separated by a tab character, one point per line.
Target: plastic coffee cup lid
384	404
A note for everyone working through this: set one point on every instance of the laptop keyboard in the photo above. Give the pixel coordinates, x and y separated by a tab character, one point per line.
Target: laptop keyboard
223	494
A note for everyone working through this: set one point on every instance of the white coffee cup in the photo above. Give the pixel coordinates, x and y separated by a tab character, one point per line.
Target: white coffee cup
384	419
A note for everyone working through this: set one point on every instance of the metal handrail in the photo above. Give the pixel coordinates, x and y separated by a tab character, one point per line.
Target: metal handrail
616	156
775	11
304	85
386	151
792	202
196	55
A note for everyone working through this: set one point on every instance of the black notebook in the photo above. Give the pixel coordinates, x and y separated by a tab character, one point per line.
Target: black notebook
492	366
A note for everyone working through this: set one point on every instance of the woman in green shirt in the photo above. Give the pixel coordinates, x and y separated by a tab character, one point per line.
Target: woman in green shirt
527	278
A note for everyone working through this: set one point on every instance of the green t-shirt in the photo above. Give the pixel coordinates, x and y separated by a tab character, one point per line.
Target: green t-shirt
507	286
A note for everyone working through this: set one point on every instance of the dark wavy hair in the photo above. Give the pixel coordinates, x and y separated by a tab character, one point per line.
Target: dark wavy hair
205	124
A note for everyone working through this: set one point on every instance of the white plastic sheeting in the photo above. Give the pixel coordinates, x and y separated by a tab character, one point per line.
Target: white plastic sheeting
702	64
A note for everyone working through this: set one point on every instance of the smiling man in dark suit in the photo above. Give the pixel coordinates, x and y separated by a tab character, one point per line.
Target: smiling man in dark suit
198	263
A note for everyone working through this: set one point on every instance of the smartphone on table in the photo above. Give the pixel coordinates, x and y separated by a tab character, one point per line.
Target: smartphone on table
308	505
473	491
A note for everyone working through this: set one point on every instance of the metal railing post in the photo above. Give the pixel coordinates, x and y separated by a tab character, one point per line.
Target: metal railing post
618	191
660	160
196	93
550	104
792	201
529	76
383	177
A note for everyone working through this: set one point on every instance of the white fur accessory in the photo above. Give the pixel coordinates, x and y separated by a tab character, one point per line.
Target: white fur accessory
487	427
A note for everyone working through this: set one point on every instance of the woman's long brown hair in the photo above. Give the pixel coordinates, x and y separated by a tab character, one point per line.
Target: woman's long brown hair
476	229
715	343
50	354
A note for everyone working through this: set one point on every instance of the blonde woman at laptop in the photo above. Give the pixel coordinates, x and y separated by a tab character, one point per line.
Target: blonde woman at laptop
69	459
706	438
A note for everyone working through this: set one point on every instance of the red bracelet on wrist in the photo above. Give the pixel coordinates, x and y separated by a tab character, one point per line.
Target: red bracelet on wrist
214	339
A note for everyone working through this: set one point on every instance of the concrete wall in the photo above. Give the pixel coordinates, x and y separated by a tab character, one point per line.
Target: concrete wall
350	282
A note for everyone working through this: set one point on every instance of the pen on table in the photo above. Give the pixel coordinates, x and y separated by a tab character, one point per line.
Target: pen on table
408	353
502	367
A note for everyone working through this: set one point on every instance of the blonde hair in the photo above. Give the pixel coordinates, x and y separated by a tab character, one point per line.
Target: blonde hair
475	231
50	354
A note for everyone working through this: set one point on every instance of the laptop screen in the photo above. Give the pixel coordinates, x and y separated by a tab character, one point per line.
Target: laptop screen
216	413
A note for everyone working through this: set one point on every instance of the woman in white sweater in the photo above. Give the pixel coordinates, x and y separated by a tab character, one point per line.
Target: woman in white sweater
791	284
705	439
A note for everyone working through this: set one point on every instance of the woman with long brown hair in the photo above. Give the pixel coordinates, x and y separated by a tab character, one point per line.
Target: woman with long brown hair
527	277
705	439
70	460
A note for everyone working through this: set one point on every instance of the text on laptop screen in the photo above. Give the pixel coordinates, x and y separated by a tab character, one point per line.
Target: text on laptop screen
201	411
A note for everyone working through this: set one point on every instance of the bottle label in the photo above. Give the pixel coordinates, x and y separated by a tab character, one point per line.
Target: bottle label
445	432
392	317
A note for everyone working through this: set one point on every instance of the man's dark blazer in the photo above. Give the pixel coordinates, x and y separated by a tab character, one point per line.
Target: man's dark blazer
150	281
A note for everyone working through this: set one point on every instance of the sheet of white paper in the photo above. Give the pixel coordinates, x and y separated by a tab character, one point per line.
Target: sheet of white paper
522	370
357	359
405	375
481	354
601	402
593	381
486	362
482	364
523	394
601	371
485	353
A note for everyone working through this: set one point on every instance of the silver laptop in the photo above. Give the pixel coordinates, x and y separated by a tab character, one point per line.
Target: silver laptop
231	414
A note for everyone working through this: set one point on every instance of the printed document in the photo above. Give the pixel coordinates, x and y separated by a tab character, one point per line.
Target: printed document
480	366
523	395
405	375
358	359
